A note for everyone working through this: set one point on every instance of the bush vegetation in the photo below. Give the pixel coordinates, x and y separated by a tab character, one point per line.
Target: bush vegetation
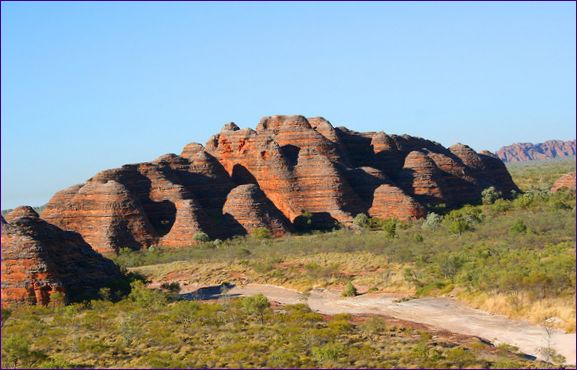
488	255
149	329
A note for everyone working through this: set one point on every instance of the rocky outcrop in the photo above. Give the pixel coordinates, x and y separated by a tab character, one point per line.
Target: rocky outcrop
521	152
250	209
290	170
40	259
565	182
391	202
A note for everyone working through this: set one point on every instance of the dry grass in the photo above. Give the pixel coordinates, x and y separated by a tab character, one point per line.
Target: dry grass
366	270
521	306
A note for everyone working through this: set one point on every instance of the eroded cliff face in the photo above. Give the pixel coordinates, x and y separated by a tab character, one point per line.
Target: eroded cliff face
40	259
246	179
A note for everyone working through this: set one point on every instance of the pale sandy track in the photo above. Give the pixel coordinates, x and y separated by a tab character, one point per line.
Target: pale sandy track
443	313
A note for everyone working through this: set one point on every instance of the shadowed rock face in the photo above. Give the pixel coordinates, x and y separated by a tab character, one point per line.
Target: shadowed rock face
40	259
567	181
289	167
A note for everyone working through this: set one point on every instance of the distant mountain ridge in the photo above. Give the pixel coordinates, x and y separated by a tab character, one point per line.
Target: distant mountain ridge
550	149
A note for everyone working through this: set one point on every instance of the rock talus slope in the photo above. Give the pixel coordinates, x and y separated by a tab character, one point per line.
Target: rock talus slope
288	168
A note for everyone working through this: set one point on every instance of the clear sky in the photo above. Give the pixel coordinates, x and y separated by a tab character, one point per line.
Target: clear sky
90	86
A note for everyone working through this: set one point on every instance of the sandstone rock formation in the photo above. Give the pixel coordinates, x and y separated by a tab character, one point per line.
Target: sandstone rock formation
40	259
251	209
567	182
521	152
290	167
391	202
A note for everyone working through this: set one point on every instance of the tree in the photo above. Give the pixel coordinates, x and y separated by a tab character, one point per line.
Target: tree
458	226
490	195
350	290
432	222
256	305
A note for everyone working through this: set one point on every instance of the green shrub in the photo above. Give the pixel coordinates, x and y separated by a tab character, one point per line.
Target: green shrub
460	220
389	227
256	305
490	195
361	220
145	297
458	226
460	357
350	290
519	227
432	222
328	352
261	233
201	237
501	205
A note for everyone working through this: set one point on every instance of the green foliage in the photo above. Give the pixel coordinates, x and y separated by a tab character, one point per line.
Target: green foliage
501	205
432	222
361	220
57	299
144	297
389	227
201	237
450	265
328	353
350	290
460	220
261	233
519	227
458	226
6	313
490	195
256	305
228	334
460	357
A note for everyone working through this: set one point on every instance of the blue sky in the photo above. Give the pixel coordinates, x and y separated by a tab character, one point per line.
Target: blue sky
90	86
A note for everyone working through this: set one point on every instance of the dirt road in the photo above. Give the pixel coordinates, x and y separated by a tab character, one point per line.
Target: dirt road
443	313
